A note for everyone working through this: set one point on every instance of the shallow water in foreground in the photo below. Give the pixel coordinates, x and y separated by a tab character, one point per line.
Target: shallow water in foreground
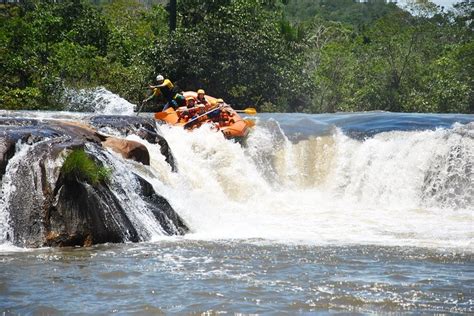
252	276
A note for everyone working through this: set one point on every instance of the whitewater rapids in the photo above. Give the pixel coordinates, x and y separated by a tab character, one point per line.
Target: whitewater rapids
332	213
323	190
343	179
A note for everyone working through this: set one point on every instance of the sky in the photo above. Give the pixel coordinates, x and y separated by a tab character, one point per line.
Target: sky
444	3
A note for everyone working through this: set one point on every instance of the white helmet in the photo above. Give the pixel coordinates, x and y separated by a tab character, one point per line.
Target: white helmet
160	78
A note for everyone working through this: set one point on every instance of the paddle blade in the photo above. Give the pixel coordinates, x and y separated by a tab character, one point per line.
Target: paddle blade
249	123
161	115
250	111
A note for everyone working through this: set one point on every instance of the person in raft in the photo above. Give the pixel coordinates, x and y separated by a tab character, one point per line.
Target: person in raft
195	107
218	106
190	102
167	89
201	98
190	111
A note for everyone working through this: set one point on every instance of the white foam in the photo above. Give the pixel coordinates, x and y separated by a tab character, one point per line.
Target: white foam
7	189
396	188
126	188
367	192
98	100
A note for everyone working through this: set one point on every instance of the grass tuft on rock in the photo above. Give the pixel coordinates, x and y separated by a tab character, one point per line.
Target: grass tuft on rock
80	166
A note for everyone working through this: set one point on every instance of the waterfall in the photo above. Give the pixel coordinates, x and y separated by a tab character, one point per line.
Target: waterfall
399	187
320	183
126	188
8	188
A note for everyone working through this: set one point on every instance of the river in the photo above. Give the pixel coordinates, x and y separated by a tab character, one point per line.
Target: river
350	212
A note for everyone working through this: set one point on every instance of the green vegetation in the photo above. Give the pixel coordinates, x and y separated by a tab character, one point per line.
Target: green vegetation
348	12
45	47
80	166
276	55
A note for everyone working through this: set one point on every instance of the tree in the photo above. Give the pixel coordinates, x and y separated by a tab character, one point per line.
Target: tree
172	13
236	50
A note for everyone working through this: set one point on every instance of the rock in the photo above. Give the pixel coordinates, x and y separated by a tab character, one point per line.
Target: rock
170	221
34	184
78	130
10	135
14	121
128	149
125	124
7	150
145	128
84	215
48	208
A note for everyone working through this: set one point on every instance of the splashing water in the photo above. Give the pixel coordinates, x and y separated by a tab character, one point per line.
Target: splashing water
126	187
323	190
363	178
97	100
352	213
7	190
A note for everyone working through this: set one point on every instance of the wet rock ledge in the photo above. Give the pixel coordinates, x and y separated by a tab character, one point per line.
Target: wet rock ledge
47	207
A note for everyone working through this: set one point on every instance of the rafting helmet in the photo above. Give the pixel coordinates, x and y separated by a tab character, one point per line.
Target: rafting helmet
189	100
160	78
201	91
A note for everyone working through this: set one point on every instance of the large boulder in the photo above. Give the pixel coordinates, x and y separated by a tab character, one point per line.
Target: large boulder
82	214
128	149
50	208
136	125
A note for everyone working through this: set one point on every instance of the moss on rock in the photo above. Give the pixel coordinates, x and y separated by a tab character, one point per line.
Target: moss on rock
80	166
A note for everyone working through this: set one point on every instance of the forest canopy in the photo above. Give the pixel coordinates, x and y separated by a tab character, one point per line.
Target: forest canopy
293	55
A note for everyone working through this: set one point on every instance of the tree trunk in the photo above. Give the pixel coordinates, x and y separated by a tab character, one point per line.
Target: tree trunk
172	7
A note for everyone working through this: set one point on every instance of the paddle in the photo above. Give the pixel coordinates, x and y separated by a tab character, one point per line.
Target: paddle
141	103
250	111
161	115
189	124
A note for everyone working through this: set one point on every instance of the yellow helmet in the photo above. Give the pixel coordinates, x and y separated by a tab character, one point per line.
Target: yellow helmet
189	98
219	101
201	91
